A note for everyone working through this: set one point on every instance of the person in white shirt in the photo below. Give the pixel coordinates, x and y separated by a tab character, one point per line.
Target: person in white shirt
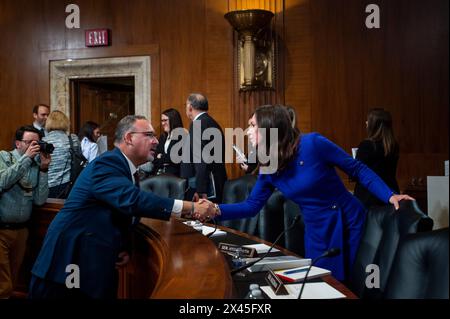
89	134
163	163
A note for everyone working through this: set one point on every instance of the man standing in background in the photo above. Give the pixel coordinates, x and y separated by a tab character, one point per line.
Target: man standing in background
40	114
206	177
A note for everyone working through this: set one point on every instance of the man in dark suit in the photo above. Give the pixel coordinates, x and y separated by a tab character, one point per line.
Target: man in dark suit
205	172
40	114
89	234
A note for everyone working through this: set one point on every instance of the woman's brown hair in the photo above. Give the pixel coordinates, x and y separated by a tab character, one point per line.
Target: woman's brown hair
277	116
379	129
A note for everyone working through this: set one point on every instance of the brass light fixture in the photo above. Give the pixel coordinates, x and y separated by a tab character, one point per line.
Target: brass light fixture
256	49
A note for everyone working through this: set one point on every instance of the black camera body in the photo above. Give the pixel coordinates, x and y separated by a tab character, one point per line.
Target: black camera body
46	147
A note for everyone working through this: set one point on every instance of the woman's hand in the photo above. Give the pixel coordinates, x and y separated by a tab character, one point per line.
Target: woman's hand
395	199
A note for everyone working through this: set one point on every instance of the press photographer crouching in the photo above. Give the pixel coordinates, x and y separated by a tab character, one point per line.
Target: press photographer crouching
23	182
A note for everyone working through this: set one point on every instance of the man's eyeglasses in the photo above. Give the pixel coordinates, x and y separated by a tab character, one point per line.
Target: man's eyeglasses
28	142
148	134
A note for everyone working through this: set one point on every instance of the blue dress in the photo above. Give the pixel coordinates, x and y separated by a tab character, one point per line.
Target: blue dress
333	217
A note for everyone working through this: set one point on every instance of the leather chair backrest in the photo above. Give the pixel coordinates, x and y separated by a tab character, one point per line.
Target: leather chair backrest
276	215
420	269
235	191
165	186
271	218
294	239
384	228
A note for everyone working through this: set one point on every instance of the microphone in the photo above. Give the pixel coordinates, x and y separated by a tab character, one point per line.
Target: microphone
332	252
294	222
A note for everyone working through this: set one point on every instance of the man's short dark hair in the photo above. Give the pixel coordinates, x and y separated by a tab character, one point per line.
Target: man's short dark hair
27	128
36	107
198	102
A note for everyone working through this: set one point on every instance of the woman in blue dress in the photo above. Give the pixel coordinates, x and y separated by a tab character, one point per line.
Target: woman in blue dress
306	174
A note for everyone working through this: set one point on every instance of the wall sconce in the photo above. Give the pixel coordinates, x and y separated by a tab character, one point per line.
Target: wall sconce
256	49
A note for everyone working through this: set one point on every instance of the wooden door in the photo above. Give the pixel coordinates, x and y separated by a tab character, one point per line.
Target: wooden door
103	102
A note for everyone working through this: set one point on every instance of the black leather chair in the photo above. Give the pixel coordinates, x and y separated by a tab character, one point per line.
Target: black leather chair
165	186
237	190
274	217
420	269
383	230
294	239
271	218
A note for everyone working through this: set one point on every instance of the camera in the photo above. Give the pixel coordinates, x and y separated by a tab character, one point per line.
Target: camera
46	147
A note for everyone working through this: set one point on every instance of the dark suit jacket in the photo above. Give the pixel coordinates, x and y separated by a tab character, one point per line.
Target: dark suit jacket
91	228
165	163
372	154
201	171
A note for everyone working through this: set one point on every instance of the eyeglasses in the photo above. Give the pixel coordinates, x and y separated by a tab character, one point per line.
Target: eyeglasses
148	134
28	142
164	120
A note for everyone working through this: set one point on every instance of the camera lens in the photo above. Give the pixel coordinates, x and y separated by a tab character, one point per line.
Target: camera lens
46	147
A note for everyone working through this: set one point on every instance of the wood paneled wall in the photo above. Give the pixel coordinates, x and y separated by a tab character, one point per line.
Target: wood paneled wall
332	69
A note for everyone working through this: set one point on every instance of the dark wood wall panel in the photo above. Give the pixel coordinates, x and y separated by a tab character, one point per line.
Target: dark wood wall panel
331	68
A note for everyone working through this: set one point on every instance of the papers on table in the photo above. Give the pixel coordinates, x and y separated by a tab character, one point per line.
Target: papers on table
261	248
278	262
312	290
298	274
205	230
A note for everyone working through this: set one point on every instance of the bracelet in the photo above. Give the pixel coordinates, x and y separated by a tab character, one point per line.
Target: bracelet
216	206
192	209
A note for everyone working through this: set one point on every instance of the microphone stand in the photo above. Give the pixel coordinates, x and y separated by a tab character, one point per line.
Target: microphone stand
329	253
294	222
215	228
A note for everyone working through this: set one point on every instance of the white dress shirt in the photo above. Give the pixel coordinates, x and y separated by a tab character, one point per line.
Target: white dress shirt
177	204
89	149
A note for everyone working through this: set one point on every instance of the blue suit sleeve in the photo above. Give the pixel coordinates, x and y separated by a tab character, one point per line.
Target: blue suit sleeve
252	205
336	156
111	185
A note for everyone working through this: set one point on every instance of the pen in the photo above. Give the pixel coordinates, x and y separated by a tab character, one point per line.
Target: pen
295	271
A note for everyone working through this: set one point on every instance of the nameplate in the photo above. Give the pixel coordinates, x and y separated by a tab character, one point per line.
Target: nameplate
231	249
276	284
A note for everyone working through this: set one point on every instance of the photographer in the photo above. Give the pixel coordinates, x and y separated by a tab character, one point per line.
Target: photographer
23	182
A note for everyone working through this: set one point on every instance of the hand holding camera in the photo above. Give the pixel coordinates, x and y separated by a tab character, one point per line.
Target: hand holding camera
33	150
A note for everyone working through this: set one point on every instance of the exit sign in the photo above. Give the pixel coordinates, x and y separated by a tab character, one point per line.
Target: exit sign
97	37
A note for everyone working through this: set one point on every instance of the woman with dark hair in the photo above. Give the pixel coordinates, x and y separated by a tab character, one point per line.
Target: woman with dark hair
306	174
380	152
89	134
170	120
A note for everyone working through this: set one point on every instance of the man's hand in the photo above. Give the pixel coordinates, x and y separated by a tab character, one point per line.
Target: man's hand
33	150
205	210
198	196
45	161
124	259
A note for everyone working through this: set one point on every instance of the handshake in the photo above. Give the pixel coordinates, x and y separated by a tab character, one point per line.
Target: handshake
204	210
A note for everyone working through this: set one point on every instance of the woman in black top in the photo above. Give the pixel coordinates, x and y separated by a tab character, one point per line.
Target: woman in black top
163	164
380	152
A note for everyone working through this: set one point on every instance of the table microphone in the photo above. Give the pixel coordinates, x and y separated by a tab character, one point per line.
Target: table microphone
332	252
294	222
